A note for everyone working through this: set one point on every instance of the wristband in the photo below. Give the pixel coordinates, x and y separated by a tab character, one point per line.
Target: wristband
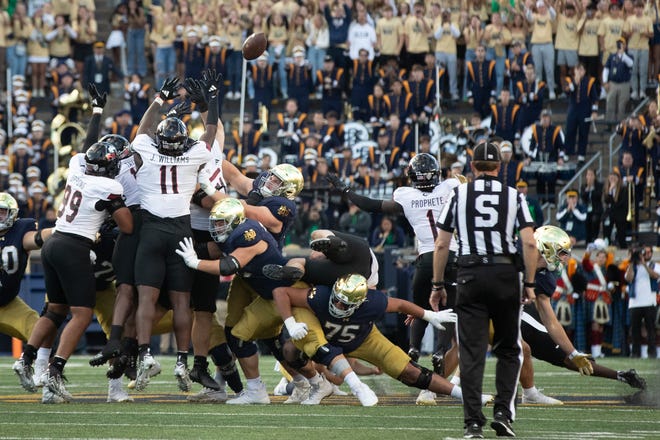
428	315
158	100
438	283
437	288
97	110
573	354
38	239
530	284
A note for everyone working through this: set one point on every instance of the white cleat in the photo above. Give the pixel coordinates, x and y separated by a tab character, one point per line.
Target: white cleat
300	393
318	392
40	367
538	398
146	366
280	388
486	399
55	383
366	395
207	395
426	398
50	398
25	373
336	391
249	397
116	392
182	375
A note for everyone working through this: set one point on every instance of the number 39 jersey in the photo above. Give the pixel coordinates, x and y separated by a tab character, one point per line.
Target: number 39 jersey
14	259
347	333
422	210
83	207
199	217
167	183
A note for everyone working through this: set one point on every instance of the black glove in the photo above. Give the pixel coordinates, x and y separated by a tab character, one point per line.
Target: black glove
212	81
170	89
179	110
97	99
254	197
335	181
198	196
195	89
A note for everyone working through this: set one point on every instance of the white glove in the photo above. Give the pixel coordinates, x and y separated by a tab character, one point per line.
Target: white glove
297	330
92	257
437	318
187	252
204	180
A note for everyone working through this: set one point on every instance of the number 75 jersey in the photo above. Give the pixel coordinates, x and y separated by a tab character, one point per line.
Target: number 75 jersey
422	210
86	198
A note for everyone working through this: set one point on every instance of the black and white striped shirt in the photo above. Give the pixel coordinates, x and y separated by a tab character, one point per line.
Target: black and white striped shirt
486	216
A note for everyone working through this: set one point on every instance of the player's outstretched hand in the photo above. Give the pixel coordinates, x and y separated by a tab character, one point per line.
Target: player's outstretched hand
212	80
179	110
582	362
98	100
436	319
187	252
334	180
297	330
170	89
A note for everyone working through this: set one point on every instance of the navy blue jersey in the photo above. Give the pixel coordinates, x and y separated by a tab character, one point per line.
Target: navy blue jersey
347	333
14	259
247	234
546	282
283	210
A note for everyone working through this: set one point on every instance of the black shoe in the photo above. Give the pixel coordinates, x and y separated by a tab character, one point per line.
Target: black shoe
201	375
414	354
632	378
111	350
473	430
327	244
438	361
118	367
131	368
502	425
278	272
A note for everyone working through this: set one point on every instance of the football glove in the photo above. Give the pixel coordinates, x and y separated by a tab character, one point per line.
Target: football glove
170	89
195	89
98	100
254	197
212	81
436	319
335	181
297	330
204	180
179	110
187	252
581	361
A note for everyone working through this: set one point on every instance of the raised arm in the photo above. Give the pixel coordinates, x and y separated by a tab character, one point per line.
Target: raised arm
168	92
94	128
365	203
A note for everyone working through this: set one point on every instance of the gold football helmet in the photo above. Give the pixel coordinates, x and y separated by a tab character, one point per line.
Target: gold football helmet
8	203
225	216
348	293
553	244
283	180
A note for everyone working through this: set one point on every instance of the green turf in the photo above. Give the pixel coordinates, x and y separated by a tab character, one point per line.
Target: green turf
594	409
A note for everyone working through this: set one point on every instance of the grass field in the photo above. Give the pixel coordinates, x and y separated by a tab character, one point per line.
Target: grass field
594	409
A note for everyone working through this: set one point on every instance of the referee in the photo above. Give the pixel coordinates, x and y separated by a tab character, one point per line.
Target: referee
486	215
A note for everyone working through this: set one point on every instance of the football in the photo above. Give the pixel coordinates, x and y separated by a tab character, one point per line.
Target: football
254	46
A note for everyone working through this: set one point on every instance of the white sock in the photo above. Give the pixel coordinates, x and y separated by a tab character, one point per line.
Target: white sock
456	392
596	351
644	352
254	384
316	379
43	354
456	380
353	381
530	391
115	383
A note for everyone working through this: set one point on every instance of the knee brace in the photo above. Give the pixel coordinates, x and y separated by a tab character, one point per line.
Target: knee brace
294	357
221	355
423	381
275	348
57	319
325	354
242	349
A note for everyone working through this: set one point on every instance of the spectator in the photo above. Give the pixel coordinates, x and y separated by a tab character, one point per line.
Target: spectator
5	23
616	80
588	48
505	119
362	84
233	28
638	29
123	125
481	82
389	36
49	218
292	126
582	104
616	208
193	54
310	218
299	79
387	234
250	142
547	146
355	221
98	68
597	297
543	50
591	196
532	202
510	169
361	35
117	38
515	64
37	204
297	33
473	34
37	50
417	30
633	133
399	100
567	39
338	19
379	108
642	276
572	217
85	28
331	82
136	62
17	36
530	95
610	31
497	37
446	34
317	43
162	38
277	38
262	83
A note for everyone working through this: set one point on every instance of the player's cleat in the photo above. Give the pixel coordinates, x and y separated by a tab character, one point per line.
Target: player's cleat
207	395
118	367
336	391
182	375
144	370
131	367
631	378
502	425
301	390
486	399
25	372
278	272
111	350
327	244
365	395
201	375
280	388
55	383
50	398
248	397
425	397
116	392
318	392
414	354
473	430
538	398
40	367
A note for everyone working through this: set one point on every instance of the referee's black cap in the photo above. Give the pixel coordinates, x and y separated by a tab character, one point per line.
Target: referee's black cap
486	152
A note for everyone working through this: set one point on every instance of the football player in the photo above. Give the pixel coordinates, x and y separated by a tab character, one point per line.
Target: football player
89	198
344	325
